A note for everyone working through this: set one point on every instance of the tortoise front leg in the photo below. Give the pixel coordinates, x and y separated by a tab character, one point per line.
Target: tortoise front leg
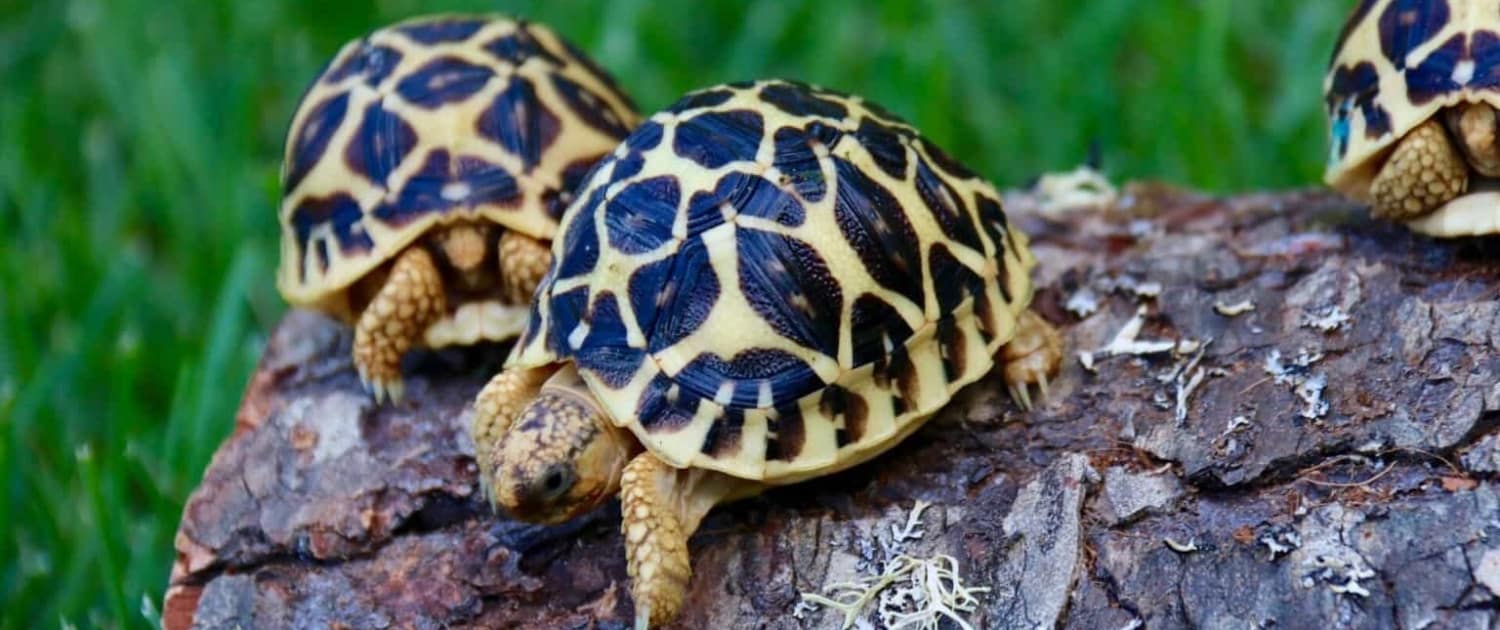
523	262
411	300
661	507
1031	357
1424	172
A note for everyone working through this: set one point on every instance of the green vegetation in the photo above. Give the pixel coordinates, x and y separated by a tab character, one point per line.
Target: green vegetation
142	143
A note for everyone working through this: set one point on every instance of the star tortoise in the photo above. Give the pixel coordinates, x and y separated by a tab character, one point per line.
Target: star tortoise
426	168
765	282
1411	94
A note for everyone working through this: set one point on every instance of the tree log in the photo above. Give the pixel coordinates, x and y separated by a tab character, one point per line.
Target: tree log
1275	412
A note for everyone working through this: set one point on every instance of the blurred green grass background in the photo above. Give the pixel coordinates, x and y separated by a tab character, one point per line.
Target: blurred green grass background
141	144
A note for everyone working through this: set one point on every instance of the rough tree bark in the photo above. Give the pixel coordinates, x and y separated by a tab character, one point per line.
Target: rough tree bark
1330	458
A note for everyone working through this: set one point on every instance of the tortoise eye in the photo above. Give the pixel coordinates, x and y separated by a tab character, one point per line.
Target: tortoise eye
557	481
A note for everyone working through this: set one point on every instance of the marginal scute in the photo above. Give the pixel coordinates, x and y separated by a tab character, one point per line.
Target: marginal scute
873	325
663	408
786	434
339	212
723	438
952	280
850	410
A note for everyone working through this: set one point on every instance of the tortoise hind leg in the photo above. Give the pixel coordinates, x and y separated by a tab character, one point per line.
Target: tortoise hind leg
409	301
1031	357
1424	172
523	262
661	507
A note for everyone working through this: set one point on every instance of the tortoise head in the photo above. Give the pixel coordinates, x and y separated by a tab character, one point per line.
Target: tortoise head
562	456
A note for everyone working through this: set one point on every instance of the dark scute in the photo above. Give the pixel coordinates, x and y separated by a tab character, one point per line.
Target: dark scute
443	80
606	78
723	439
342	212
534	317
871	321
1357	88
1407	24
992	220
580	251
519	46
628	166
605	351
704	98
639	218
945	162
381	143
423	193
903	372
659	415
829	135
520	122
890	253
374	62
704	213
645	137
446	30
692	289
573	176
790	287
884	144
786	434
1485	48
567	310
947	207
951	345
1434	77
984	313
799	100
590	108
312	139
648	288
790	377
885	115
1355	17
951	279
716	138
320	249
756	196
799	164
838	402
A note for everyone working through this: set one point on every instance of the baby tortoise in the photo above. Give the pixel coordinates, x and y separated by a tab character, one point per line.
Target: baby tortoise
425	171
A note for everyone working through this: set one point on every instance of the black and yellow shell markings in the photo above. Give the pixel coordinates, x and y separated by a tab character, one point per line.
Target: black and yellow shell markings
771	279
1396	62
432	120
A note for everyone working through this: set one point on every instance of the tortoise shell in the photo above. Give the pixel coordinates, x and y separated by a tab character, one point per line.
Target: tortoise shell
777	281
429	121
1396	64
